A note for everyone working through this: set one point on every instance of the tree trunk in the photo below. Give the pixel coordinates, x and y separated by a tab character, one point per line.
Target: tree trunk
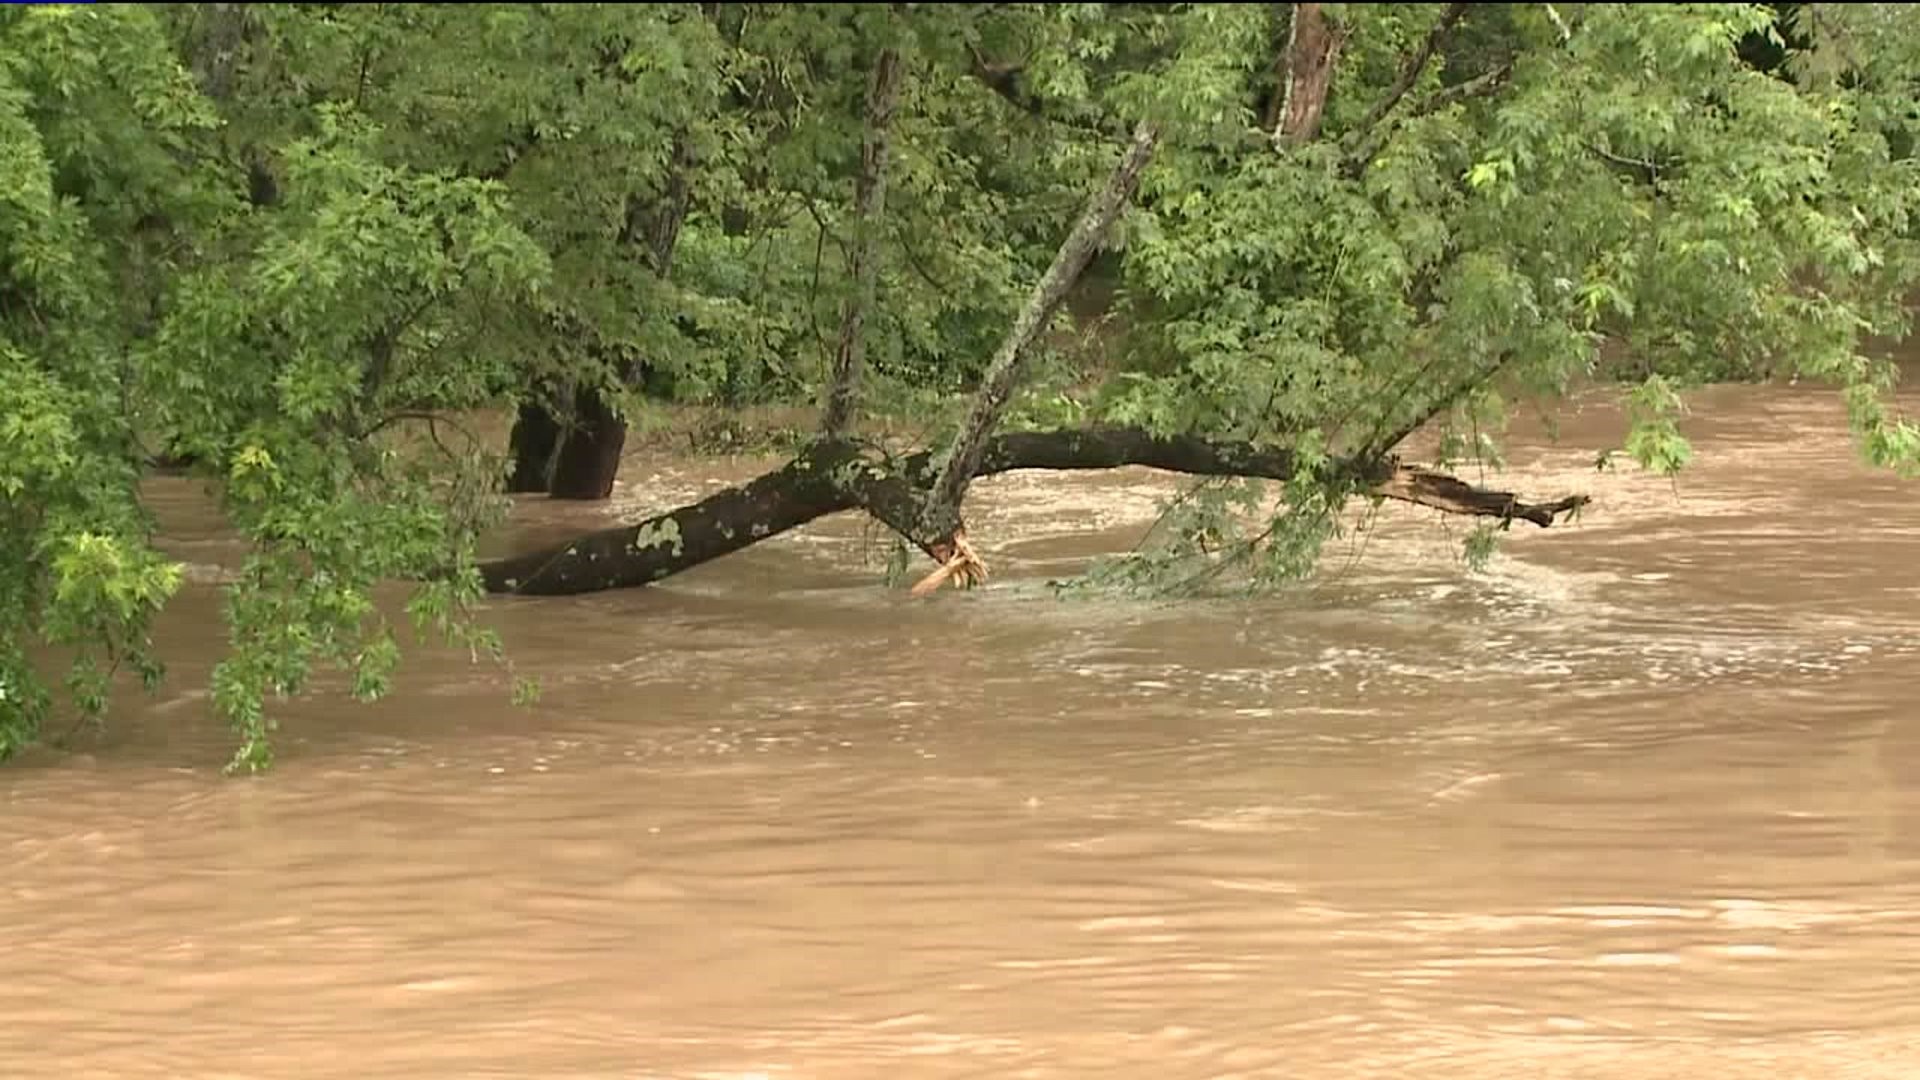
217	49
834	475
536	435
1312	48
941	518
870	201
589	455
582	459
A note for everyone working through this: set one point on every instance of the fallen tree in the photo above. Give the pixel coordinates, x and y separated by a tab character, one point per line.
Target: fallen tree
919	497
836	475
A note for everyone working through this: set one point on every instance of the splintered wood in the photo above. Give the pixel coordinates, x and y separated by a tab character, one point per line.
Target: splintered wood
963	566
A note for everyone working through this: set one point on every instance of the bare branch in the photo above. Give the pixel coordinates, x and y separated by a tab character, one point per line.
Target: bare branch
1481	85
1375	140
1553	14
1645	170
1003	80
1003	374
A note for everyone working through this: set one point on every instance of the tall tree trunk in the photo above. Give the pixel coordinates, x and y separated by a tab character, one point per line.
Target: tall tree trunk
870	202
217	49
941	518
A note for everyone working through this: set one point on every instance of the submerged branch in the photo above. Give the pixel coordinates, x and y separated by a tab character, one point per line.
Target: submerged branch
837	475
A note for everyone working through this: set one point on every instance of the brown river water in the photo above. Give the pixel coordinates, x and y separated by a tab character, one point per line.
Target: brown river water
1642	799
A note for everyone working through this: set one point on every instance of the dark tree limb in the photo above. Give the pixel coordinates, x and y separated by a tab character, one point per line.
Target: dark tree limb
1482	85
1411	67
1374	140
836	475
870	201
654	225
1440	491
630	556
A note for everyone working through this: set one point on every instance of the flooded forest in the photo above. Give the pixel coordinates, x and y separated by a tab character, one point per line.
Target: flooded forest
746	541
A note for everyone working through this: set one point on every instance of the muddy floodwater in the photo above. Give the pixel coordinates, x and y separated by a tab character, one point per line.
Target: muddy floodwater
1642	799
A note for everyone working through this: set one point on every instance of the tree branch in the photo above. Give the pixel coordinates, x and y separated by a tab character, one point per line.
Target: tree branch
656	226
942	514
1480	85
380	352
1375	140
1644	171
836	475
1411	67
1003	80
1553	15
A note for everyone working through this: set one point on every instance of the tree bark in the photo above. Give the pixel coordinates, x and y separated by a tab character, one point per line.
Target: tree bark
941	517
660	231
837	474
633	555
589	456
870	201
217	50
1313	47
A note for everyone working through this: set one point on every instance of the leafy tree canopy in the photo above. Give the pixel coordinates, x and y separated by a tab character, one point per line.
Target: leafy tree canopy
296	245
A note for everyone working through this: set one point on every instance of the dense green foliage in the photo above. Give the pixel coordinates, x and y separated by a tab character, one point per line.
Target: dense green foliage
298	244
